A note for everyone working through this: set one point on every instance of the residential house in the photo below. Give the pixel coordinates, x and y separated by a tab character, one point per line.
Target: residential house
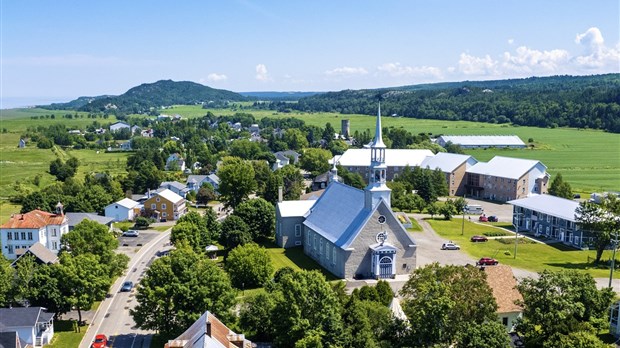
165	205
358	160
11	340
22	143
550	216
175	162
209	332
505	178
37	226
42	255
504	286
176	187
195	182
33	325
254	128
320	181
75	132
163	117
124	210
117	126
135	129
454	166
482	141
147	133
284	158
351	233
75	218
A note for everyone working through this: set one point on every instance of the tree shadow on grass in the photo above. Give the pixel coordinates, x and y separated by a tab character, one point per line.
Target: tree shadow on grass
579	266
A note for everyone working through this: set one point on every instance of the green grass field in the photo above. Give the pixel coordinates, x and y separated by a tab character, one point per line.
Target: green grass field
65	336
530	255
293	258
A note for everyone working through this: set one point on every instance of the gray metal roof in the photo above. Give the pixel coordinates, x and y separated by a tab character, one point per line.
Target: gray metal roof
338	214
504	167
447	162
42	253
550	205
177	185
23	317
75	218
484	140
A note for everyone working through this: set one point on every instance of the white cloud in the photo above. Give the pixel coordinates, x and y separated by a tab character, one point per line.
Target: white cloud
597	55
396	69
214	77
261	73
527	60
472	65
346	71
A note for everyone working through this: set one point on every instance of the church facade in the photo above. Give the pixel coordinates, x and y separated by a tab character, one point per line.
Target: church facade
350	232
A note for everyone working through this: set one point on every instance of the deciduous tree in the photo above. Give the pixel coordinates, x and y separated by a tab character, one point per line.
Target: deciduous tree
249	266
259	215
236	182
560	188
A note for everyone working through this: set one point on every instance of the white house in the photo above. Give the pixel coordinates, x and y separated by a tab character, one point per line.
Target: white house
125	209
117	126
23	230
33	325
175	162
194	182
358	160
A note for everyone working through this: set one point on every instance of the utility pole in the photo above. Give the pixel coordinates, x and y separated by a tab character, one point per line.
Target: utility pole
613	260
516	226
463	222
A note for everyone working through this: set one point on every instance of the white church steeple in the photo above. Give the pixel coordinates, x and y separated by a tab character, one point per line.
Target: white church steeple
377	188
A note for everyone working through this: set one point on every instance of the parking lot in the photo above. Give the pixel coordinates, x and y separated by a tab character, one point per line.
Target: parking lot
130	245
502	211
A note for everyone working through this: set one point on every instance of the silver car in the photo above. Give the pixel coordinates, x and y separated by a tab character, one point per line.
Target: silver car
450	246
131	233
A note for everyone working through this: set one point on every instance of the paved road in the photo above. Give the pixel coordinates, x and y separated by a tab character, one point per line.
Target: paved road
112	318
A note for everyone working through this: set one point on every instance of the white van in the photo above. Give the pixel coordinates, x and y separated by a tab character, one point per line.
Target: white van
474	209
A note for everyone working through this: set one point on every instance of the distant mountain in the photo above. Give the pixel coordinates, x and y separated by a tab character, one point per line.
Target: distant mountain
278	96
74	104
555	101
147	96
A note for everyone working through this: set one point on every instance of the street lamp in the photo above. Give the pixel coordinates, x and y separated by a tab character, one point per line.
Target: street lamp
515	222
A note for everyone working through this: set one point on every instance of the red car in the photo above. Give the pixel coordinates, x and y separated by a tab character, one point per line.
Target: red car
101	341
487	261
476	239
483	218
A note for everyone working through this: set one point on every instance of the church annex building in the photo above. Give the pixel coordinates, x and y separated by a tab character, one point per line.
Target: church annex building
350	232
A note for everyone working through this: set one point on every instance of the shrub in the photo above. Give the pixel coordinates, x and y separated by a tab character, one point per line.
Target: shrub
495	234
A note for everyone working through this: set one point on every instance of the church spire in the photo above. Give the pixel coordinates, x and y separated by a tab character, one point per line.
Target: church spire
377	188
333	174
378	140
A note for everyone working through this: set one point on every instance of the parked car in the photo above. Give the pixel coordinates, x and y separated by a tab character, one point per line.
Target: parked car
127	286
450	246
476	239
487	261
516	340
492	218
483	218
101	341
131	233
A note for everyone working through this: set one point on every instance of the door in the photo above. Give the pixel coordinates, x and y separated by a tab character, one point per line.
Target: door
385	267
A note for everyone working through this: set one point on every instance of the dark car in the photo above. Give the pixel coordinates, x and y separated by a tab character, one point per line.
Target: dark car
516	340
477	239
492	218
127	286
487	261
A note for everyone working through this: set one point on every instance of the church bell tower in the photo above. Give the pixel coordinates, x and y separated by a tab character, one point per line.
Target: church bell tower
377	188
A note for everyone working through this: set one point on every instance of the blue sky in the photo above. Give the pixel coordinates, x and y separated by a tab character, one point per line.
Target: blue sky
59	50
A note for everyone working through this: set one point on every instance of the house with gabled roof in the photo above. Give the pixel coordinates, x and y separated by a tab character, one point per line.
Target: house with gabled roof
33	325
209	332
76	218
352	233
175	162
358	160
124	210
454	166
195	182
165	205
42	255
117	126
506	178
23	230
502	282
176	187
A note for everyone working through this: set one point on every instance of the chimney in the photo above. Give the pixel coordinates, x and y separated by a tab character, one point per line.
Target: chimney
280	188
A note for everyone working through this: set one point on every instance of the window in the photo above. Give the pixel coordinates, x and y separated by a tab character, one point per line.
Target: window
164	214
153	206
29	235
16	235
505	321
55	245
327	251
308	240
334	255
54	232
315	243
298	230
157	199
9	236
10	249
23	235
321	246
298	243
163	206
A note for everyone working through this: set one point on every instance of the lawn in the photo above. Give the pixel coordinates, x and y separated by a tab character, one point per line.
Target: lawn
293	258
65	336
530	255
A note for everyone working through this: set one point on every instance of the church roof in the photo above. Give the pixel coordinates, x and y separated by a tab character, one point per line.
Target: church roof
338	214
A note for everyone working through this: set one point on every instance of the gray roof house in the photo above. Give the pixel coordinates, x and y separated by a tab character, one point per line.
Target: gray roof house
454	167
549	216
194	182
42	255
352	233
75	218
34	325
176	187
11	340
482	141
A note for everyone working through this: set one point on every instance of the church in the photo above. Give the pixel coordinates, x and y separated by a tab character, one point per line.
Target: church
350	232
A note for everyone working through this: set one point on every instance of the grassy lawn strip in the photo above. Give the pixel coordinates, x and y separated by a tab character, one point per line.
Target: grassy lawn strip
293	258
64	336
530	256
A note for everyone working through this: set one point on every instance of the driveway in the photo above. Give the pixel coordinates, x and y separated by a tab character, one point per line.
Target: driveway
503	211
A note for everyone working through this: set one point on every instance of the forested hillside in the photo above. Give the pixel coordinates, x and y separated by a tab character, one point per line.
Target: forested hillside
143	98
558	101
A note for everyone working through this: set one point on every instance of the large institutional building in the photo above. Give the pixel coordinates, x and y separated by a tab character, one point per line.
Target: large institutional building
350	232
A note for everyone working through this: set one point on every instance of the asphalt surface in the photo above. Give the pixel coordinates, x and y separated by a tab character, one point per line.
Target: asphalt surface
112	318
